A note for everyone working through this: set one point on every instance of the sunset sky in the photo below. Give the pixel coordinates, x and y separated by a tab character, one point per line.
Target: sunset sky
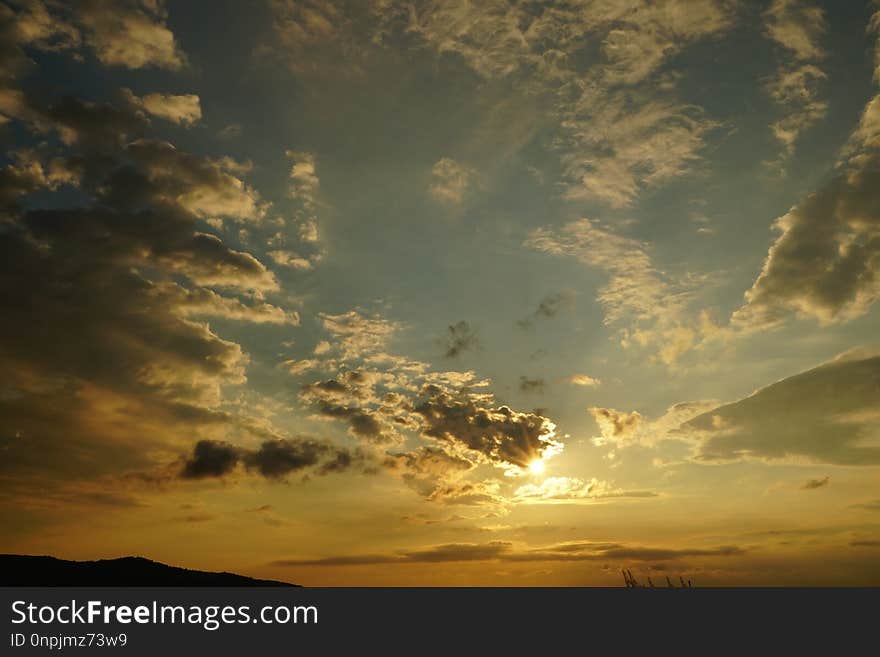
443	292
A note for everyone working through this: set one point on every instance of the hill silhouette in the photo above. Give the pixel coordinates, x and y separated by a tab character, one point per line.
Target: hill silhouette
27	570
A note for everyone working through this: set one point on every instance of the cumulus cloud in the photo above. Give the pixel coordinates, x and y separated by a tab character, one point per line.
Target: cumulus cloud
825	263
450	181
273	459
128	33
184	109
649	302
572	489
502	436
296	367
351	398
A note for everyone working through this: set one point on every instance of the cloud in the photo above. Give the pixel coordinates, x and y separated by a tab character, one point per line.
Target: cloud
616	426
105	295
469	493
501	436
304	180
827	414
614	148
182	109
274	459
129	33
289	259
825	261
350	398
210	458
434	473
297	367
549	307
813	484
383	398
874	28
510	552
450	181
202	302
359	334
460	337
450	552
599	67
584	380
798	27
575	551
322	37
531	385
230	131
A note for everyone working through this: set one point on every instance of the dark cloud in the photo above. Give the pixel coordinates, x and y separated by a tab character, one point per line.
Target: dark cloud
501	435
459	338
531	385
104	362
549	307
274	459
211	458
824	414
812	484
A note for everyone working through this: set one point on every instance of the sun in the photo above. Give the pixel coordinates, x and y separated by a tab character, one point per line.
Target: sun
537	466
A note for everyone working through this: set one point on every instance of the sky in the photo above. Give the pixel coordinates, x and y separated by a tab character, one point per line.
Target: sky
443	292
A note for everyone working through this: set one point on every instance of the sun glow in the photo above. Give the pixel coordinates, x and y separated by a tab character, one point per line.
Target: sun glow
537	467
